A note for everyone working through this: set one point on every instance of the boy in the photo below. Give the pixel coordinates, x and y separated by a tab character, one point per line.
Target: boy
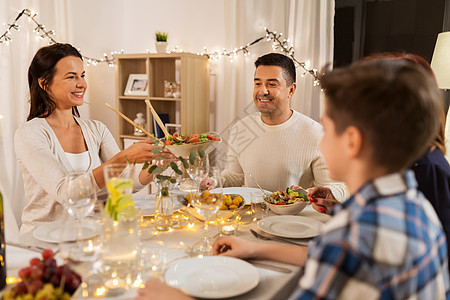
385	241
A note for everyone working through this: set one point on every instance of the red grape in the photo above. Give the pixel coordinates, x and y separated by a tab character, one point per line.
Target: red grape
21	288
47	253
50	262
35	286
37	273
35	261
25	272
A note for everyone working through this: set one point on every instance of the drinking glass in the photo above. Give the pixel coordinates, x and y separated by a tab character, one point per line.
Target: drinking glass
260	209
120	235
207	203
199	170
81	254
153	260
80	196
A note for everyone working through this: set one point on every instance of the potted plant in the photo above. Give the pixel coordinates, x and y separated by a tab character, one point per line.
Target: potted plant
161	42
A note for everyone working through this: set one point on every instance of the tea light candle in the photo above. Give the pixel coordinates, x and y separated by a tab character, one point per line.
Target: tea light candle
228	229
115	286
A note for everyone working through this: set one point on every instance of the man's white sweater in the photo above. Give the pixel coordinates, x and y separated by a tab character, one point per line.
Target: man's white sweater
278	156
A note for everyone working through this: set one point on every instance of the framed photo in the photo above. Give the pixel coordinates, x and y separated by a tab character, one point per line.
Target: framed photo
172	89
137	85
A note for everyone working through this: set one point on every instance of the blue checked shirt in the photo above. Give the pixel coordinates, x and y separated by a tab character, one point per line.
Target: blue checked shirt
384	242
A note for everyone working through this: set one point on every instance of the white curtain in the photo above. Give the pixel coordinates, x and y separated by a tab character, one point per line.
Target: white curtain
14	62
308	23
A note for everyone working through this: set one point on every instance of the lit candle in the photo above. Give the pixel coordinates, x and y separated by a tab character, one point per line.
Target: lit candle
228	229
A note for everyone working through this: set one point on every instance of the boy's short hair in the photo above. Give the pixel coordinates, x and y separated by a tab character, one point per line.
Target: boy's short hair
280	60
394	103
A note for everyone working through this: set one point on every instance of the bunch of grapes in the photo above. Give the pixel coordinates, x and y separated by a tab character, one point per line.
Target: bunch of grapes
44	279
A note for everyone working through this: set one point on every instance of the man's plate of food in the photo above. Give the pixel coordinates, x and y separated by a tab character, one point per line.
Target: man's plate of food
184	144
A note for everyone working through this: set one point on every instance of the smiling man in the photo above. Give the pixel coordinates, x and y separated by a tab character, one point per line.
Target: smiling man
277	145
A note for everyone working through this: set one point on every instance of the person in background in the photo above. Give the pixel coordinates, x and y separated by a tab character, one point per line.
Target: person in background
277	145
55	141
385	241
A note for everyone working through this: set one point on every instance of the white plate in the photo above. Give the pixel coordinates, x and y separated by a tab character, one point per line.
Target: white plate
291	226
212	277
52	232
244	192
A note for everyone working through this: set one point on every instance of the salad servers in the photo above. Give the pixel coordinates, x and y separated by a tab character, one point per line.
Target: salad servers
263	191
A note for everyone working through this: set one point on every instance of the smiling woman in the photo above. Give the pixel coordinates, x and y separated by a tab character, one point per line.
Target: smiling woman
56	141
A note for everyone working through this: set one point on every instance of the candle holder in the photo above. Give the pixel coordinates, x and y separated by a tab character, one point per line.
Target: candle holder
228	225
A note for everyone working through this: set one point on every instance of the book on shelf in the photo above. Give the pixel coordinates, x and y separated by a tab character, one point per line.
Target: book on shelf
158	131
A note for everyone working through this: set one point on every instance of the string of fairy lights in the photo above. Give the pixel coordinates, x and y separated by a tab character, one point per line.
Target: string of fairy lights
279	43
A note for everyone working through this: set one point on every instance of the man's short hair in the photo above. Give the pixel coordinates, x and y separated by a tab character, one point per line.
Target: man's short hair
280	60
394	103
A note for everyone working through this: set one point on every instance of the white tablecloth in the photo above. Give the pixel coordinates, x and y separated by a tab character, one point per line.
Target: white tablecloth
272	285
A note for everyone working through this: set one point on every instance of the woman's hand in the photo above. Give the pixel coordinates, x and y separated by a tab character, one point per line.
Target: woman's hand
155	289
322	199
234	247
142	152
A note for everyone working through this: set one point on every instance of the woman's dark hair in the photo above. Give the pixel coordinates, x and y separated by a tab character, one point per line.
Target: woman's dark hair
439	141
43	66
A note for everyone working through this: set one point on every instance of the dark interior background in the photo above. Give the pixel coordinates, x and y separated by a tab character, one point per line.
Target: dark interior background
363	27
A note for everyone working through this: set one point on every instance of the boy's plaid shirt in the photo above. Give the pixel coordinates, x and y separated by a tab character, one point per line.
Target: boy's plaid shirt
383	242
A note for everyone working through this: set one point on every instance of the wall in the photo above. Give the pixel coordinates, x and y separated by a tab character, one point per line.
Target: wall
105	26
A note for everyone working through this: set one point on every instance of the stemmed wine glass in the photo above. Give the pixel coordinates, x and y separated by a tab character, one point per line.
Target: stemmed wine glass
80	196
199	170
207	203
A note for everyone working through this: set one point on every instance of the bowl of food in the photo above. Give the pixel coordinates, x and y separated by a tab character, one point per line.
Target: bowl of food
287	202
182	145
231	204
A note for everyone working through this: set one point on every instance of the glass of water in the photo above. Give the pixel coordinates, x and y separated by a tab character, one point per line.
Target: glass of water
260	208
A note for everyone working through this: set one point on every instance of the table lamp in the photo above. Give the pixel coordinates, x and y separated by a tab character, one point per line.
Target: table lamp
440	63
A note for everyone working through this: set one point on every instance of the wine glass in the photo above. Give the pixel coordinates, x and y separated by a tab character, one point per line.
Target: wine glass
80	196
199	170
81	253
207	203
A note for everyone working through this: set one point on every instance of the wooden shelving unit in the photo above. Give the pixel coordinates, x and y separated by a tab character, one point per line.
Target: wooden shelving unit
191	110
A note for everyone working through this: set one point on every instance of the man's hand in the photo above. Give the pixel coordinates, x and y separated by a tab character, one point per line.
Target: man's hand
322	199
207	184
155	289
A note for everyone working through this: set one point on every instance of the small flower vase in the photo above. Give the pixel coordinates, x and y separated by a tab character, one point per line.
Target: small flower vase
161	47
163	207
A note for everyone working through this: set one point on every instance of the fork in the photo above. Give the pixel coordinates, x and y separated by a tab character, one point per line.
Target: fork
279	239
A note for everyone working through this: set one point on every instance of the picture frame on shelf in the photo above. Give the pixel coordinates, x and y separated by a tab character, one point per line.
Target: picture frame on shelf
172	89
172	128
137	85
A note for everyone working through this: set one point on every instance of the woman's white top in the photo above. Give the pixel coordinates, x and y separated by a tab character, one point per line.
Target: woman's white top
80	162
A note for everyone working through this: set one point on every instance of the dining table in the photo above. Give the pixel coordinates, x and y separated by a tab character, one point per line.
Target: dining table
276	280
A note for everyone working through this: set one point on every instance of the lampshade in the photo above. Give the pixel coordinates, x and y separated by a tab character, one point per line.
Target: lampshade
440	63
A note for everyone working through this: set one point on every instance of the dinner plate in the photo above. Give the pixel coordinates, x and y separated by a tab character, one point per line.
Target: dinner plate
291	226
52	232
244	192
212	277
